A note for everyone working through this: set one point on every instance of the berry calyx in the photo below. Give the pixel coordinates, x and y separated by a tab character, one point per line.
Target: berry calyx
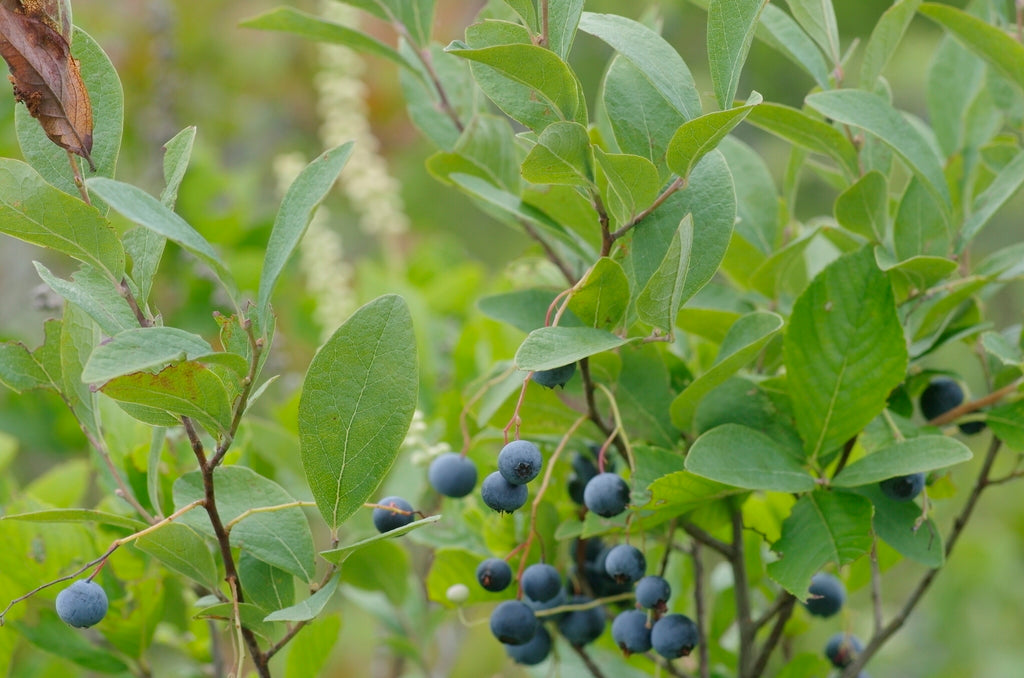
519	462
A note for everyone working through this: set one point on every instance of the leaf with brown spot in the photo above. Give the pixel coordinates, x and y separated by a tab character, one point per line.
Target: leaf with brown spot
45	77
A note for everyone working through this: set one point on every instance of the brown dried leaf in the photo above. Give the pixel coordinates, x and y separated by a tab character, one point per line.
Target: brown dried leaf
44	75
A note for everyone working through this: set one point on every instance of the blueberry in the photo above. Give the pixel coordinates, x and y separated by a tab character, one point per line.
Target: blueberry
533	651
971	427
625	563
583	470
599	581
607	494
842	649
452	475
557	376
903	488
827	595
582	627
630	632
82	604
494	574
652	592
501	495
513	622
519	462
940	396
674	635
386	520
541	582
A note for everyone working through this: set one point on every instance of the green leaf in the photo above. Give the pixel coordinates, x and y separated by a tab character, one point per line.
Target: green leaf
684	492
885	37
894	523
778	30
297	208
903	457
513	205
921	227
78	337
107	100
142	349
844	351
818	18
914	274
643	394
563	19
281	538
356	405
601	296
18	369
562	156
656	60
549	347
50	634
291	20
742	343
742	457
250	617
77	515
757	201
876	115
515	68
741	400
824	527
731	26
307	609
423	102
310	650
145	210
863	208
800	129
642	119
660	299
1002	349
95	294
523	309
36	212
628	183
339	555
709	196
363	570
956	78
177	153
694	139
188	389
992	44
184	551
997	194
265	585
1007	424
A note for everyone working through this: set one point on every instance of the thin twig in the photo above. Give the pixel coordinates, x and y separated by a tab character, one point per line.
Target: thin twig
894	625
699	535
772	641
588	661
741	587
679	183
700	603
780	602
549	251
876	585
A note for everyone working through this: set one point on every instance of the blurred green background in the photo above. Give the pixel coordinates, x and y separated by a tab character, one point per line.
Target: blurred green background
251	95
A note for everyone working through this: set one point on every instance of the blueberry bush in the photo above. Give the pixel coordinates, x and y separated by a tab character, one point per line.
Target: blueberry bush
701	408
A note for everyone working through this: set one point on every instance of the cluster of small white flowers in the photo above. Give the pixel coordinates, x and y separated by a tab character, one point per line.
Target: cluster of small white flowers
372	191
417	443
321	257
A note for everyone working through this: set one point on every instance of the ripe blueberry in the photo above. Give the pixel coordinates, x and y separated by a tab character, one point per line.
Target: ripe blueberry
903	488
606	494
625	563
82	604
630	632
940	396
386	520
674	635
513	622
541	582
533	651
582	627
452	475
557	376
652	592
494	574
599	580
519	462
842	649
501	495
827	595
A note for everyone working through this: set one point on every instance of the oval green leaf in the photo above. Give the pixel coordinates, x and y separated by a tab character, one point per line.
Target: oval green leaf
900	458
742	457
549	347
